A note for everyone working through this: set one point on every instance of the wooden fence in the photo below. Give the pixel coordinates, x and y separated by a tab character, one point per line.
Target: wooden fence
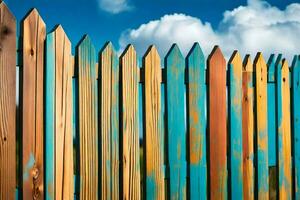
96	126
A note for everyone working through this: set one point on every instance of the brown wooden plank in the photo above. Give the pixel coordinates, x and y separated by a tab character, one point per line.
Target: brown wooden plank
7	103
217	125
130	125
154	137
34	32
248	129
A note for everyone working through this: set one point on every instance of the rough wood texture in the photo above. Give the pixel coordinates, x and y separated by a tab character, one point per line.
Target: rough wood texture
296	123
235	126
248	130
153	134
197	117
7	103
109	84
88	119
262	167
34	32
284	131
176	132
58	129
217	125
130	125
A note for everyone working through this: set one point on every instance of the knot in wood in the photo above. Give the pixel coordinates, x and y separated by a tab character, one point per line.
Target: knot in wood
31	52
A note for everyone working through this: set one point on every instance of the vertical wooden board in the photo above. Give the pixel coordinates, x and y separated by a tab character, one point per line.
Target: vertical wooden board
217	125
109	87
284	131
153	134
7	103
50	117
296	123
248	130
88	119
235	126
271	84
34	33
176	133
262	166
197	123
130	125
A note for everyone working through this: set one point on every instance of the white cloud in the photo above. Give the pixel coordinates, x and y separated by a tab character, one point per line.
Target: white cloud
252	28
115	6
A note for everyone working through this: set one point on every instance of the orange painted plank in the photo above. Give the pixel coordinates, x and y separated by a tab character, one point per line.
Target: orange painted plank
217	125
7	103
34	32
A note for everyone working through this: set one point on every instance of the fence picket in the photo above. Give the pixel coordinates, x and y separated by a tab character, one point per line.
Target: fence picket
109	87
235	126
262	166
34	33
7	103
153	135
217	125
197	118
130	124
248	129
88	119
296	123
284	131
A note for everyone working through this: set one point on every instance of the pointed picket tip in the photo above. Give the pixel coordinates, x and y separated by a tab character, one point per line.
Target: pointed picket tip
59	30
284	65
108	46
33	14
85	40
6	10
296	62
279	62
235	60
247	64
151	51
129	50
195	50
259	61
271	65
174	51
216	54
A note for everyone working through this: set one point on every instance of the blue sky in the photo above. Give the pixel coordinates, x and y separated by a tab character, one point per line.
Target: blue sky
124	21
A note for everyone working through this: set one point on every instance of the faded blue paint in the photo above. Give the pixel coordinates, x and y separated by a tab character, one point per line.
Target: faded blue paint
272	111
197	123
235	128
175	76
49	116
28	167
296	123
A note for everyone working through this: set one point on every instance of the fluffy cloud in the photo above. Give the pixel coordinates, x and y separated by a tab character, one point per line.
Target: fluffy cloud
252	28
115	6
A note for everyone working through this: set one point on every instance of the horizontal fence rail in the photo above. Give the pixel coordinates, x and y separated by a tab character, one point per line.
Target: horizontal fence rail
96	125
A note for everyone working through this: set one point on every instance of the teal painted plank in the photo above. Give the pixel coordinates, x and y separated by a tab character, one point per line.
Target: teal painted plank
175	68
49	116
296	123
235	126
197	123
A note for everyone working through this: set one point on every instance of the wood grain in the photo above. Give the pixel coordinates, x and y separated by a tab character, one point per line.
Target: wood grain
130	125
7	103
284	131
217	125
197	123
88	119
248	129
33	33
262	167
109	86
153	136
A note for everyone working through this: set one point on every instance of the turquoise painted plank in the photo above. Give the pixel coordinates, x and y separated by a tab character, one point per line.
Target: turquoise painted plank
235	126
271	111
175	68
49	116
197	123
296	123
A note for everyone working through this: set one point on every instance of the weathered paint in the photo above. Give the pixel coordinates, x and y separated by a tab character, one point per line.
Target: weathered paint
196	94
283	131
296	123
235	126
176	135
262	166
248	130
217	125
